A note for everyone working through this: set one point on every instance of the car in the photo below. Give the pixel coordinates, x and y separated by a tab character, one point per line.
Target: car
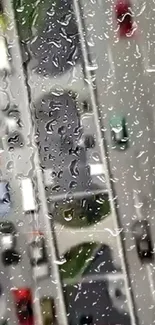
28	195
23	305
13	132
8	243
124	17
5	201
38	257
8	235
119	132
47	310
143	240
87	141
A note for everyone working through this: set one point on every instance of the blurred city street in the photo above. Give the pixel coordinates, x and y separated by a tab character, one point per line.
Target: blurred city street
65	86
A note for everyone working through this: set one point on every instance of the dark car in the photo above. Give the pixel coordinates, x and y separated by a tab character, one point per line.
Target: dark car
8	243
143	241
8	235
119	132
38	257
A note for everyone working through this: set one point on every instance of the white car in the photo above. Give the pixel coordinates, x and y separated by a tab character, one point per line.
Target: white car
38	257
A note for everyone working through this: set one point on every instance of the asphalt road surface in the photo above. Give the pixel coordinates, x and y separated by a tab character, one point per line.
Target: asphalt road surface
57	48
18	160
123	89
58	132
96	301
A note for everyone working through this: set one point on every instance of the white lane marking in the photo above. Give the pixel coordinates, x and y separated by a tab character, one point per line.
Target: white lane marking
151	281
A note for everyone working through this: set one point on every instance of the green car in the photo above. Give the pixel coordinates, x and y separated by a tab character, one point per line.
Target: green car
47	310
119	132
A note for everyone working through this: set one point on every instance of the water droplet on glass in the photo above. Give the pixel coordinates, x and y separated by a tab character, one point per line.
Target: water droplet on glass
20	224
62	130
74	168
138	205
10	166
73	185
51	12
96	156
56	188
48	127
64	21
61	261
68	215
60	174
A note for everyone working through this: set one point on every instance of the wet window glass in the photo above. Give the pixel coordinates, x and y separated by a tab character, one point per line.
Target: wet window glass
77	168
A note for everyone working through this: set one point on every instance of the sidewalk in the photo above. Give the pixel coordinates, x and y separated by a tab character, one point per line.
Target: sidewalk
102	232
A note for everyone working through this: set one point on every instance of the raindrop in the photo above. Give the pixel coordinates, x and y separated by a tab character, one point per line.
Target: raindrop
60	174
10	166
138	205
140	154
61	261
62	130
77	131
115	232
73	185
20	9
74	168
92	67
90	42
142	9
96	156
72	56
68	214
139	134
64	21
4	100
51	12
137	178
20	224
55	61
56	188
48	127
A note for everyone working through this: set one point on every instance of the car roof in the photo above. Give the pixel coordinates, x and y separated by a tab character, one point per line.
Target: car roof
140	226
117	120
6	226
21	293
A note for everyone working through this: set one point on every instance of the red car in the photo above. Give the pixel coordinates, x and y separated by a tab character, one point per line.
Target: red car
124	17
23	302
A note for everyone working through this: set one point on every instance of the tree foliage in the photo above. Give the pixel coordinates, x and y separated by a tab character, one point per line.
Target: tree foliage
30	16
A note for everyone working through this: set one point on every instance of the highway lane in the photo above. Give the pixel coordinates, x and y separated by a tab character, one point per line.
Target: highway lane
19	275
25	161
94	296
122	88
